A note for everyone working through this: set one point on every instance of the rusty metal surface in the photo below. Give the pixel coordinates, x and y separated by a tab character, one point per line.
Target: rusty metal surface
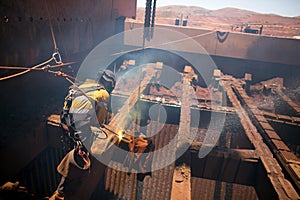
272	134
239	100
266	126
262	151
261	119
227	167
158	185
230	165
212	189
296	170
120	183
218	165
289	157
280	145
182	189
228	153
294	105
285	119
281	151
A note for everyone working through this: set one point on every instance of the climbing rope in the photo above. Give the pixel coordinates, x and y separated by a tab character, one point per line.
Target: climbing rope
51	27
60	73
28	70
46	67
38	69
55	57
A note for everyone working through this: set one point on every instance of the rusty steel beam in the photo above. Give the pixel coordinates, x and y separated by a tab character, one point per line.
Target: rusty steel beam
185	113
282	152
181	185
288	160
284	119
228	153
174	103
291	103
281	117
239	98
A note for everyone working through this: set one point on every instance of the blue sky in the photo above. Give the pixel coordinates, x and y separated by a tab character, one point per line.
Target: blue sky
289	8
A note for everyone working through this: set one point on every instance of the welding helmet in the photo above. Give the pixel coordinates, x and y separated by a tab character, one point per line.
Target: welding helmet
108	79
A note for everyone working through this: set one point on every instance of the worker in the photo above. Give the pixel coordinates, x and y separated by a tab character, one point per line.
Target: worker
85	106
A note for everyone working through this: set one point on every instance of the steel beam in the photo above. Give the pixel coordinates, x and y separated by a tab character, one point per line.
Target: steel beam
181	185
240	100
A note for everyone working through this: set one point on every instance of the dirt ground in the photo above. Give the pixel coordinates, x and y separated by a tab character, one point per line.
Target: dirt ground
227	19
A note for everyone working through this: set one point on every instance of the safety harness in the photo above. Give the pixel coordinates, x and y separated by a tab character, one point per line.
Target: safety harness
68	124
66	118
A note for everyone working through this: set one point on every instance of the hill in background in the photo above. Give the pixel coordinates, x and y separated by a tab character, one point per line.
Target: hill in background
224	19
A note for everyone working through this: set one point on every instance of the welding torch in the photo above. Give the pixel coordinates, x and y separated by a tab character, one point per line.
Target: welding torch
121	134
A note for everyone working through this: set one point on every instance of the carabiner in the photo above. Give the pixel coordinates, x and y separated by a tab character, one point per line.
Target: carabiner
56	56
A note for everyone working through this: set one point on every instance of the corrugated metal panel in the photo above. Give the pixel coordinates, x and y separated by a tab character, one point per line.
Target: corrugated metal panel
212	189
158	186
40	176
120	183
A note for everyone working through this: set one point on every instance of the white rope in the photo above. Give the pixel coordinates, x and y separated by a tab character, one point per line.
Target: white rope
26	71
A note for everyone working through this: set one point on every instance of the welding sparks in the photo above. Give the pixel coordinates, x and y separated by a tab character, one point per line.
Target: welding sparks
120	135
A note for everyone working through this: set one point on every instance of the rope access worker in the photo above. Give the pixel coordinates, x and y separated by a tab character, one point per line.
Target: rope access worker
85	106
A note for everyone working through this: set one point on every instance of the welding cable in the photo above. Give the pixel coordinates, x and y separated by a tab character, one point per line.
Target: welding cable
170	42
26	71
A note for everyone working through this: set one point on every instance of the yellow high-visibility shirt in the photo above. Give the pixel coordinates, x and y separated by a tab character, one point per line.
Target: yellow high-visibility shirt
83	106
